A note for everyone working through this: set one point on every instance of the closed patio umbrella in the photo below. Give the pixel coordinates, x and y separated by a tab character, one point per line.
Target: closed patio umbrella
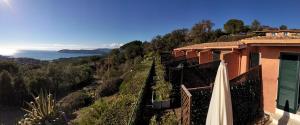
220	107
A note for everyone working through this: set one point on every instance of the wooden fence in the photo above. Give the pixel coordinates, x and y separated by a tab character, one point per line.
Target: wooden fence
186	100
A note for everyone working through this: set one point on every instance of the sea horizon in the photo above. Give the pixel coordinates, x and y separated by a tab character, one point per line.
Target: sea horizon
46	55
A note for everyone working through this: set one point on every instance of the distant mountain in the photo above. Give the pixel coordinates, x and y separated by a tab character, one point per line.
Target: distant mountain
101	51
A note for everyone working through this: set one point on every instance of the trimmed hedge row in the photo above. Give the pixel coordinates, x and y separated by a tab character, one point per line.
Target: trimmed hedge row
162	88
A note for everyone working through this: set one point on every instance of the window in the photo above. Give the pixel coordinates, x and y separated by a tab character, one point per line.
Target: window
254	59
216	55
288	82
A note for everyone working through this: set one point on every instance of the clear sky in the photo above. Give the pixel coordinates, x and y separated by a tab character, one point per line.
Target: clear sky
57	24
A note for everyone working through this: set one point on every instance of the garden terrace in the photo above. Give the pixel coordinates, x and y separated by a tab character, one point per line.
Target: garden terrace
246	95
123	107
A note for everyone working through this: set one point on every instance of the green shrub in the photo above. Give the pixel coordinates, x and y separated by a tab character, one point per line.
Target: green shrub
121	108
103	112
162	88
6	88
153	120
42	111
74	101
10	67
169	119
108	87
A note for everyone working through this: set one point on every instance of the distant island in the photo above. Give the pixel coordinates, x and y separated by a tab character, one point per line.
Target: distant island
101	51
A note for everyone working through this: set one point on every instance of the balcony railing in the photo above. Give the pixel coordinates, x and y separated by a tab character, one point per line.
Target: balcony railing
191	76
246	95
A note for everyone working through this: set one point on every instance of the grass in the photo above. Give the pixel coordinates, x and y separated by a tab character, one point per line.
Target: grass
120	108
162	88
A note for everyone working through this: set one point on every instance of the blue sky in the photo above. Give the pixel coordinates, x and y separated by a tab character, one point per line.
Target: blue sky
57	24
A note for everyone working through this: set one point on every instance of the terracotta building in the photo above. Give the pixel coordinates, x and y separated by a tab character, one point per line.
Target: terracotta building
278	52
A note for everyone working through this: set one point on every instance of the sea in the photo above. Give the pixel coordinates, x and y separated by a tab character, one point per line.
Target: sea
47	55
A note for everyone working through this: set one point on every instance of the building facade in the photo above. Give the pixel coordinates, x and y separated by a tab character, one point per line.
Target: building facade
278	55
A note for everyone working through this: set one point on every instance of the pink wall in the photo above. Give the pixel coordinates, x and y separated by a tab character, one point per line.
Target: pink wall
205	57
178	53
191	54
233	64
270	72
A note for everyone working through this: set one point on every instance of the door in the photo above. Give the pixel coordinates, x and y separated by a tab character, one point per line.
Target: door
288	86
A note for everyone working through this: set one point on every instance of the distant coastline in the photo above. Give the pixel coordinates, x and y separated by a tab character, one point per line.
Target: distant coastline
101	51
46	55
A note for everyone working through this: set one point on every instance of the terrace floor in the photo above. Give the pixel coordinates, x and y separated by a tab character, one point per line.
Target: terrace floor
284	118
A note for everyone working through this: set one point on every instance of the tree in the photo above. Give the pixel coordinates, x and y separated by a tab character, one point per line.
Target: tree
217	34
175	38
283	27
147	47
246	29
115	56
255	25
201	32
133	49
6	88
234	26
158	43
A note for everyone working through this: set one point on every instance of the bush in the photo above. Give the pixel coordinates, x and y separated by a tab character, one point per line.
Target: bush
6	88
42	111
10	67
121	108
162	88
21	93
112	111
153	120
74	101
169	119
109	87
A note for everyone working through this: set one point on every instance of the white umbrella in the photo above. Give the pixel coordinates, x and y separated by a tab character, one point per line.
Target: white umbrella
220	107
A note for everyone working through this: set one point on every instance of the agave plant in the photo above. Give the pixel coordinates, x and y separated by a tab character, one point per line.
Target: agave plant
42	110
